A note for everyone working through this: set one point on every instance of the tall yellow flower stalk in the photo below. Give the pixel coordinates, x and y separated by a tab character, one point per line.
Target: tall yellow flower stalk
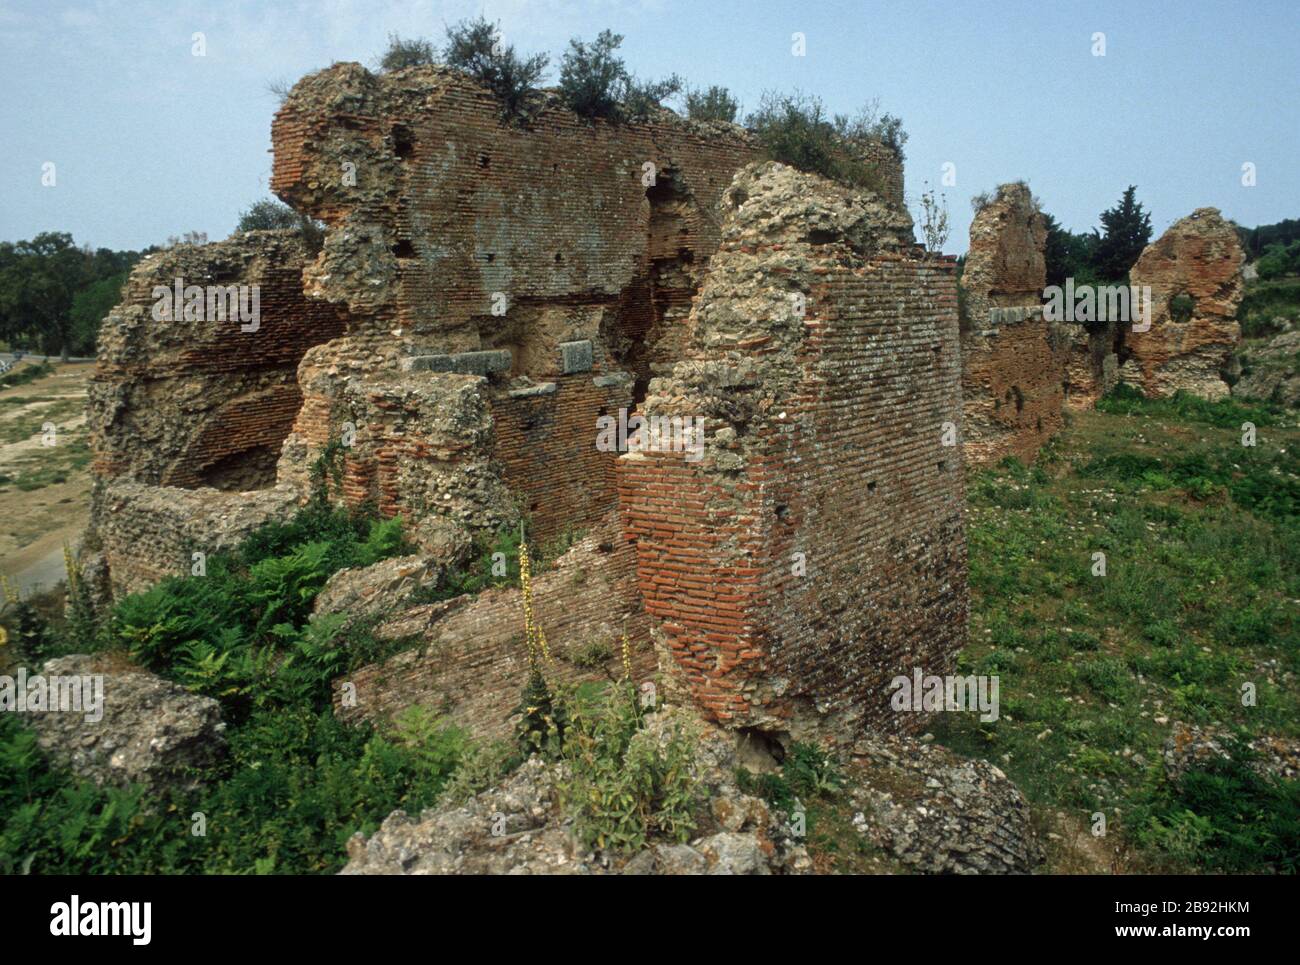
70	567
11	594
534	635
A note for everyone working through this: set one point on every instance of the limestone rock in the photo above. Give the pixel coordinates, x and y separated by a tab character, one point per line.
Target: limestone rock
1270	372
1190	745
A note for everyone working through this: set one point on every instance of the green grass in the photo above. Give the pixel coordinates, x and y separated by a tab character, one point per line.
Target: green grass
296	783
1201	538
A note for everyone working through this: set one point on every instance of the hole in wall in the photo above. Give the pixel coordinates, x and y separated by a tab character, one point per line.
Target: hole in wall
403	141
404	249
782	511
485	160
871	487
759	751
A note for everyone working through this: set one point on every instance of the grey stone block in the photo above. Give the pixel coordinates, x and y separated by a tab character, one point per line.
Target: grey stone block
575	356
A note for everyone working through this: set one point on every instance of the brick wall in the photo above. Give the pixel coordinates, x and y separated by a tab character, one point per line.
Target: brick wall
192	403
825	441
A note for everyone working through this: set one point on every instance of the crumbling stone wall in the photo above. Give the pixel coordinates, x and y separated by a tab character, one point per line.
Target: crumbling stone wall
817	549
472	665
146	533
560	256
1199	258
189	403
196	405
1013	358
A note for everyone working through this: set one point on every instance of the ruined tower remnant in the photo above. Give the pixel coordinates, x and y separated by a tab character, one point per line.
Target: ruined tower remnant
817	549
1012	357
1194	270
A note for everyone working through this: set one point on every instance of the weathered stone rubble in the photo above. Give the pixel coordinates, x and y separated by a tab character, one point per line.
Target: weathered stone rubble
1190	745
1199	257
939	813
153	732
741	835
1271	372
925	810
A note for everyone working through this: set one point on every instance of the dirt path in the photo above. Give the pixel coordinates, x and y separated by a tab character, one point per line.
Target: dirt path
44	489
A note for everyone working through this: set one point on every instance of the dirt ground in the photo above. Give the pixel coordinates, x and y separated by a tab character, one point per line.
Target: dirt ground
44	489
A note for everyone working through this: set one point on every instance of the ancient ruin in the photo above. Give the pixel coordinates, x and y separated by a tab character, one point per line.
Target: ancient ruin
492	311
1194	272
486	298
1013	358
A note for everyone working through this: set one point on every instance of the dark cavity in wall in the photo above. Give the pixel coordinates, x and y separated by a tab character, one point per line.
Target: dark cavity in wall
658	300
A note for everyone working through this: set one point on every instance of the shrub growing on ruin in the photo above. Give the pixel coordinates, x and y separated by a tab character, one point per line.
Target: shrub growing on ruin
871	125
714	104
796	130
641	99
934	220
272	215
401	53
592	76
594	82
628	784
475	47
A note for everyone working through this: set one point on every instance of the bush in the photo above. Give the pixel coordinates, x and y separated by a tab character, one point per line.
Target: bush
714	104
1279	260
592	77
406	53
594	82
272	215
1224	816
474	46
297	783
794	129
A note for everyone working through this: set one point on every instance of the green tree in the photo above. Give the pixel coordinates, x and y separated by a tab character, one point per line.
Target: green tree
1127	230
1068	254
592	76
89	308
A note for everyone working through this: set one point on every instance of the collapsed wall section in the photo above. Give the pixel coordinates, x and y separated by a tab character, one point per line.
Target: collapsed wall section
817	547
147	533
473	665
1194	273
194	392
187	391
1013	358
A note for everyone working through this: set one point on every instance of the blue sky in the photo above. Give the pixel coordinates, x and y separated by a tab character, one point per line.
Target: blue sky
150	141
